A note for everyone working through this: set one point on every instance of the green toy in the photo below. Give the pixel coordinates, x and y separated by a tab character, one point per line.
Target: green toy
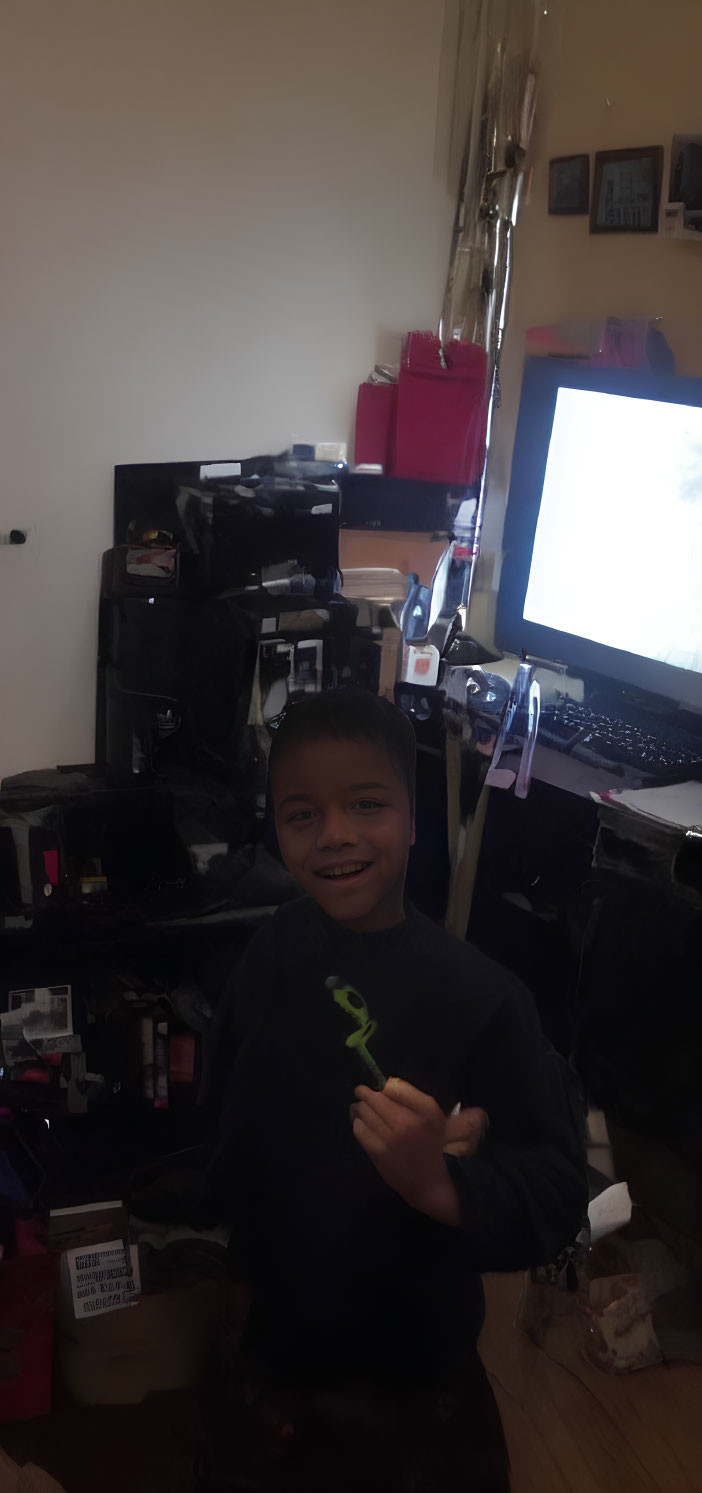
352	1004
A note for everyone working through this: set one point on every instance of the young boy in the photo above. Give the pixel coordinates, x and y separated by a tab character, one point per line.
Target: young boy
355	1030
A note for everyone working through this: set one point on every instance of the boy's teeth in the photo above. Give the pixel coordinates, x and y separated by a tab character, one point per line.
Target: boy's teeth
345	870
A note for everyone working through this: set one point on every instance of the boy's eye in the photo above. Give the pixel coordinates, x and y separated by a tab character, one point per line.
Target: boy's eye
301	816
367	804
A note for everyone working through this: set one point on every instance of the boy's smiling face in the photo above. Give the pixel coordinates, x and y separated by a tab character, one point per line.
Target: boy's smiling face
345	825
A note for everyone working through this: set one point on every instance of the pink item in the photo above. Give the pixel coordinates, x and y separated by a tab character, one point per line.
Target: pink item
441	412
624	344
27	1237
610	343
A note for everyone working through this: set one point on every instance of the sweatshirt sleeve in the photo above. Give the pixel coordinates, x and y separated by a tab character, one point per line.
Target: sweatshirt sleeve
524	1196
234	1013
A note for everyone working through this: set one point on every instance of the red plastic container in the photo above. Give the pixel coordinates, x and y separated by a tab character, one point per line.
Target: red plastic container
375	417
28	1287
440	412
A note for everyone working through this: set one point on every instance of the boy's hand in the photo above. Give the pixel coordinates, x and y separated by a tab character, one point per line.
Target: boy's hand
466	1131
405	1133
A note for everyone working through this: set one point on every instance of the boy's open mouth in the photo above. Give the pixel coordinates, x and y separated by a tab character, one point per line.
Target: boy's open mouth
349	871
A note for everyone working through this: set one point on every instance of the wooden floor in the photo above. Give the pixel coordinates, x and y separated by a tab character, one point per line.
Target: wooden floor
572	1428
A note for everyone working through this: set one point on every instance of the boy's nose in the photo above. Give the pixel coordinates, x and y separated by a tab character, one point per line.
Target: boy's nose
335	831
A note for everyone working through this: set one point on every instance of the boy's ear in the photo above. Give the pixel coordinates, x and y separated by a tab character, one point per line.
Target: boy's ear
413	827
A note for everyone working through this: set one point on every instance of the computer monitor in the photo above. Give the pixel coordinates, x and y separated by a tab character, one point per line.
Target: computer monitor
602	568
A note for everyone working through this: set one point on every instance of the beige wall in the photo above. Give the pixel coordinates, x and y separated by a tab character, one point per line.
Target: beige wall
626	72
216	213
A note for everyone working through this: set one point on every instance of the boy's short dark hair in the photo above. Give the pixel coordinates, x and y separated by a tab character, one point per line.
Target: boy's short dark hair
349	715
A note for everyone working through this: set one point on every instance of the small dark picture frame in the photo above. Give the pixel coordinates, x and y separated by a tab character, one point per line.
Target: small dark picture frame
568	185
627	190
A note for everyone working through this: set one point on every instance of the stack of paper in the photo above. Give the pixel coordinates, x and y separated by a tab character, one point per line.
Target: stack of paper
680	804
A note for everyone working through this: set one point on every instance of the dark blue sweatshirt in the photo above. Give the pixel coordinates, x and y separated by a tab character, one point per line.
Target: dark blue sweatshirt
348	1280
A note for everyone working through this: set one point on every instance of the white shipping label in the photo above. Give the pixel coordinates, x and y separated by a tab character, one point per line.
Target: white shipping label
101	1280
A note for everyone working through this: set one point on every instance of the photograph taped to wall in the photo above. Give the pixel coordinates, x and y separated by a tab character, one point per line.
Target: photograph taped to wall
627	190
568	185
41	1011
685	184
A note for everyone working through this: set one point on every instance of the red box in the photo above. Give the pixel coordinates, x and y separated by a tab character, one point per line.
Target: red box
441	412
375	416
28	1287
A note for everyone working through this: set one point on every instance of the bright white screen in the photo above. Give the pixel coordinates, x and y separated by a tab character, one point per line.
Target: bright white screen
618	550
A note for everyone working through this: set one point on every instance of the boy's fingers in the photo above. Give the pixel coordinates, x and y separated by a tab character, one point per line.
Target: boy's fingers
386	1109
470	1126
374	1121
410	1098
372	1144
405	1094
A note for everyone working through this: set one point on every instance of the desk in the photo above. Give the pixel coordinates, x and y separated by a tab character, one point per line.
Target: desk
560	770
638	1013
601	915
661	856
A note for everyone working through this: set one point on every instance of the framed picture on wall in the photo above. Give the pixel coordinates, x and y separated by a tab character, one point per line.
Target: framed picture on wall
627	190
685	185
568	185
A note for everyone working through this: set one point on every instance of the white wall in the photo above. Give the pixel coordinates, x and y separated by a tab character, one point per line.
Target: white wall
215	212
625	72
